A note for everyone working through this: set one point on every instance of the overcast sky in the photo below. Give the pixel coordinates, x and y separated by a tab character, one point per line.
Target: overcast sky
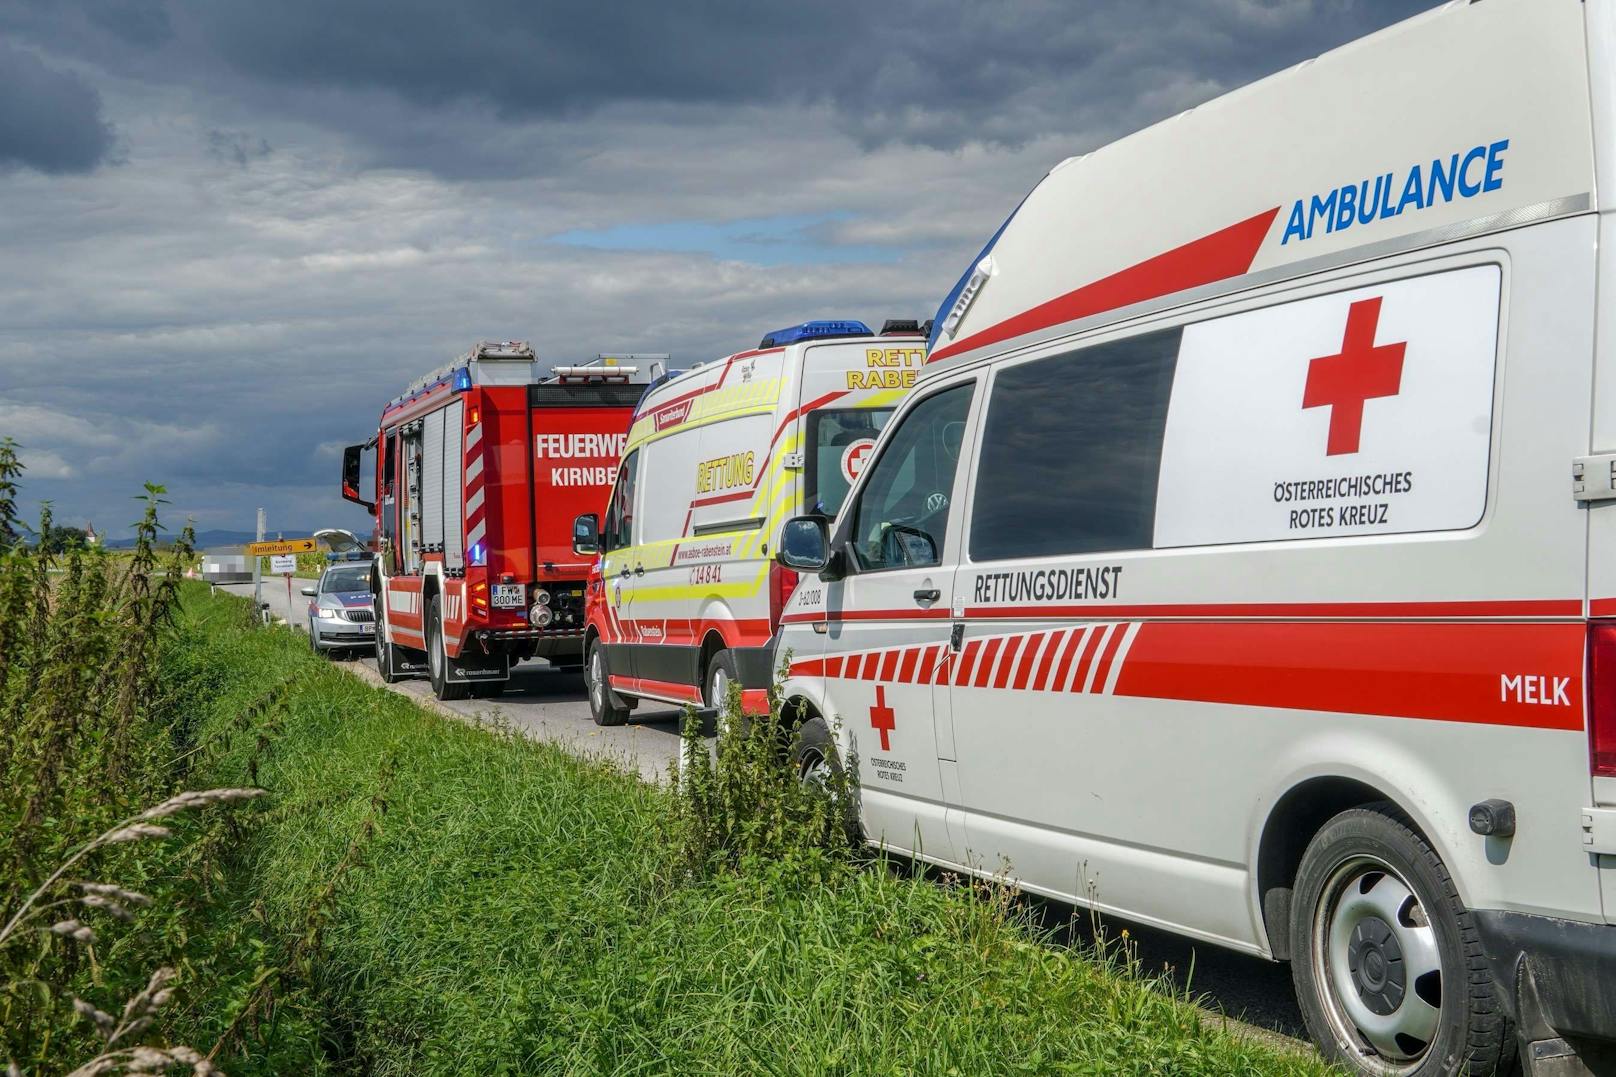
231	229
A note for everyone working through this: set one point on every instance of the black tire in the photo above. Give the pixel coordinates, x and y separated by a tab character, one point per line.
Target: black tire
813	751
604	706
1388	970
437	659
815	760
314	645
716	679
385	651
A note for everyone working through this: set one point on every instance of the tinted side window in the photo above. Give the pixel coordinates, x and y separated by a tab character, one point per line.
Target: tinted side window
902	512
618	529
1071	451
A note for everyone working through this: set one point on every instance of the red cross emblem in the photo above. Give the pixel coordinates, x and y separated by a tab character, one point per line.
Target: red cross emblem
1360	371
882	718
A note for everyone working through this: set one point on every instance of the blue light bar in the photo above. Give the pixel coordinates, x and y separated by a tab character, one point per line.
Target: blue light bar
815	331
462	379
477	555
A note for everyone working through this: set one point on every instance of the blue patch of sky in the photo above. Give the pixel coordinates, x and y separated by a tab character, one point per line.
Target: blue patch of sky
806	239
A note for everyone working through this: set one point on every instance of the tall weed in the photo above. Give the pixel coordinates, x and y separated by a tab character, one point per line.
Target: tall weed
93	725
745	801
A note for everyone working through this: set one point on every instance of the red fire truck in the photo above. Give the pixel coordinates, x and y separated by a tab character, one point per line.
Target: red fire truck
480	468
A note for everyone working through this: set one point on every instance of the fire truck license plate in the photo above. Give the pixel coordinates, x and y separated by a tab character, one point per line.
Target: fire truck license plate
510	596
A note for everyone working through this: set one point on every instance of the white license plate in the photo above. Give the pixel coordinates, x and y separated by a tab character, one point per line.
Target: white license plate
510	596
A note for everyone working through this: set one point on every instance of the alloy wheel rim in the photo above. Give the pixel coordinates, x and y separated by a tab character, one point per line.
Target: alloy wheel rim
596	693
814	768
1381	965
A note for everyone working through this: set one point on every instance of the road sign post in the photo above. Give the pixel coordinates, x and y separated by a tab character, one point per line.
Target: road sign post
258	574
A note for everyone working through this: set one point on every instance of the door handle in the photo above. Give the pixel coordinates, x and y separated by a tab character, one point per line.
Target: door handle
625	573
928	594
639	570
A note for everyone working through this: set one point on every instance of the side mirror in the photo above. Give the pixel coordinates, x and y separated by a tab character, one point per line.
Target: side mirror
351	457
309	592
805	544
586	534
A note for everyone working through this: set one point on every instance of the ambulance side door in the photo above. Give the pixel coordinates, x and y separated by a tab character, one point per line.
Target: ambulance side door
887	641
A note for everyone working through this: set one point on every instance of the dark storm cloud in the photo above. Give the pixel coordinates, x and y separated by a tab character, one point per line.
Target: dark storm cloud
939	74
49	119
322	201
910	71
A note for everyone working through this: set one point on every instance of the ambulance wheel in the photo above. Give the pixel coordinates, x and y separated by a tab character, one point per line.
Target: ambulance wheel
604	706
816	762
1389	972
813	753
720	675
437	659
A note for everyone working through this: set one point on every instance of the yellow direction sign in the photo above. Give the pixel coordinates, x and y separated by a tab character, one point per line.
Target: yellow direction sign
265	549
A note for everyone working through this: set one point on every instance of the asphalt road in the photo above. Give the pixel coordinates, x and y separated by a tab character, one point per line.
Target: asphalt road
550	705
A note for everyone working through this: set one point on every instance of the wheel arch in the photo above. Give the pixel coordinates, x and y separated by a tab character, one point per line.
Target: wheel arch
1290	825
712	641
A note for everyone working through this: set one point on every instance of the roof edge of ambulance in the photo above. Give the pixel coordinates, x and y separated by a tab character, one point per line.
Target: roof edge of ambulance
675	377
946	352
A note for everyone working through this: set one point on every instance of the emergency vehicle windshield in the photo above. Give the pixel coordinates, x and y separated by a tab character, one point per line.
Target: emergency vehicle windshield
340	580
839	441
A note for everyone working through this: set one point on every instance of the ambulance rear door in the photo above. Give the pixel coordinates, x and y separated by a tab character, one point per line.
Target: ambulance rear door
847	392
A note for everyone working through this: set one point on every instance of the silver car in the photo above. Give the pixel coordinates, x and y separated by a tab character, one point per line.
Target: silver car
340	613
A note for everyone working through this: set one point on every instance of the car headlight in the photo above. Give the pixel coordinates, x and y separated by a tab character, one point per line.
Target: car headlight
327	614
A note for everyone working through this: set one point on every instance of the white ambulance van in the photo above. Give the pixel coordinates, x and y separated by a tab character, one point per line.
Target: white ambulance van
1240	562
684	598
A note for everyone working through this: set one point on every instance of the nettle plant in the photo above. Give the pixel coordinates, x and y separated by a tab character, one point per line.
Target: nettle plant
749	797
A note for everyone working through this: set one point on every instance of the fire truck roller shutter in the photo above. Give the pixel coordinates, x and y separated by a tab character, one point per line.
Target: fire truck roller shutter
454	545
432	480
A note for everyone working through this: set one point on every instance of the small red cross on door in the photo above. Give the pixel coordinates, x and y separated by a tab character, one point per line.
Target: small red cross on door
1360	371
882	718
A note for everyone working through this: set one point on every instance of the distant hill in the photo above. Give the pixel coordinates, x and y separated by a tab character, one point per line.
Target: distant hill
207	540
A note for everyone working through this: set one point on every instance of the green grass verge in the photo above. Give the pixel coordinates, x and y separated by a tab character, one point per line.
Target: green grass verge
461	901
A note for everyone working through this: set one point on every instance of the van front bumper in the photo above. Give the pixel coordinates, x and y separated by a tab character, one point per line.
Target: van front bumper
1556	978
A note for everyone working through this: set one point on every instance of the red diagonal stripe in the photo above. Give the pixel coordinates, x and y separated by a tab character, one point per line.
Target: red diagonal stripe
1007	664
1055	641
1063	665
1219	256
967	662
990	651
1084	657
1029	655
1107	655
928	663
906	671
813	667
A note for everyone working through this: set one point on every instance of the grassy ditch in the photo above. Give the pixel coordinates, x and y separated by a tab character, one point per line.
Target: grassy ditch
452	899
